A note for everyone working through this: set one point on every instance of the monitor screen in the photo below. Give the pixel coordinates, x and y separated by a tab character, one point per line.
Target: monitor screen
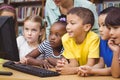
8	44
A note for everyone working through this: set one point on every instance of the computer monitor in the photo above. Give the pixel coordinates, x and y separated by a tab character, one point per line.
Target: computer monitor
8	44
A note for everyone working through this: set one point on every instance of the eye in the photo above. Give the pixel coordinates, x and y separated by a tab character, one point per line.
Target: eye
103	25
109	28
34	30
57	34
26	29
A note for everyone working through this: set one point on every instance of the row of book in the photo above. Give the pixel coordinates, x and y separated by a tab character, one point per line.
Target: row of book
105	4
23	12
111	3
22	0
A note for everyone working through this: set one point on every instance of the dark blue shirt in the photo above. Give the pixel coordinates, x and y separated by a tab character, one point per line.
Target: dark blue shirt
106	52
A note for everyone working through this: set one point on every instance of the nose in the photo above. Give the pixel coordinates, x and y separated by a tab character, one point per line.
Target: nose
111	32
67	27
100	29
52	37
29	32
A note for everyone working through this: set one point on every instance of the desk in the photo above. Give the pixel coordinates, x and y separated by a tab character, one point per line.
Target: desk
23	76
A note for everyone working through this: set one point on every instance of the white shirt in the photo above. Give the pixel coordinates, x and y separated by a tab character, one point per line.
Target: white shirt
23	47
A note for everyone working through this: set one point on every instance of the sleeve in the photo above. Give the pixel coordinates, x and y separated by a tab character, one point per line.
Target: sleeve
41	47
20	41
67	53
94	47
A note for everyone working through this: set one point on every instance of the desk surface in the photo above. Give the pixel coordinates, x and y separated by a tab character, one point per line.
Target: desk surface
23	76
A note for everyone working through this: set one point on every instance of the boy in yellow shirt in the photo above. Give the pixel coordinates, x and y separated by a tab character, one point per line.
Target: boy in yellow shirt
81	46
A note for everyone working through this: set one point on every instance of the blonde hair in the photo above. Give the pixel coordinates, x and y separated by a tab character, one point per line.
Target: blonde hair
42	27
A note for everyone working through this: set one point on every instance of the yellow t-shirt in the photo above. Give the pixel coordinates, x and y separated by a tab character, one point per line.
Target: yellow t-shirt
81	52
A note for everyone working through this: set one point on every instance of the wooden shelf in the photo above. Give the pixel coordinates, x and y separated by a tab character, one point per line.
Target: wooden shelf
26	3
96	1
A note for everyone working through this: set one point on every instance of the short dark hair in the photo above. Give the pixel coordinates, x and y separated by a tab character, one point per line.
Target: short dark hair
85	14
107	10
113	18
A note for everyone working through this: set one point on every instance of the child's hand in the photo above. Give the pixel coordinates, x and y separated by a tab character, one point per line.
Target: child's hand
23	60
64	68
46	64
84	71
114	47
60	64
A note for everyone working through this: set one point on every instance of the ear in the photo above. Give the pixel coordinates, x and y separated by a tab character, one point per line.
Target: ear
42	32
87	27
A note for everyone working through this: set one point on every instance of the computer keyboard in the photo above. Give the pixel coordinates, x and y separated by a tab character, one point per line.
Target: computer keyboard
41	72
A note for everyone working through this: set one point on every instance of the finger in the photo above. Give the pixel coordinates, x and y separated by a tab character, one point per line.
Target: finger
64	61
50	66
45	66
79	73
17	62
81	69
60	65
58	69
86	74
82	74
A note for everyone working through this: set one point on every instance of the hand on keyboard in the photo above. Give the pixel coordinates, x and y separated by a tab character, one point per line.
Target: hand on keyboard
37	62
30	69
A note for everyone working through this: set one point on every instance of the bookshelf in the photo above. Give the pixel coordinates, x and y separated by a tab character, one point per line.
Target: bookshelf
26	8
3	1
102	4
109	3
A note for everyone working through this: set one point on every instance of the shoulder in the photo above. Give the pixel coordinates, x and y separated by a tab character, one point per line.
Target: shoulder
92	37
50	4
67	40
45	43
20	38
103	43
65	37
92	34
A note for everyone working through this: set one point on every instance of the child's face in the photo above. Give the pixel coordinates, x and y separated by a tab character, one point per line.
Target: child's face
31	31
104	31
56	32
75	27
115	34
8	13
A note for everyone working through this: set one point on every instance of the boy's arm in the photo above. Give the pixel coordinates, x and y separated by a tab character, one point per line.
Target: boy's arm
90	62
100	63
102	72
87	70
